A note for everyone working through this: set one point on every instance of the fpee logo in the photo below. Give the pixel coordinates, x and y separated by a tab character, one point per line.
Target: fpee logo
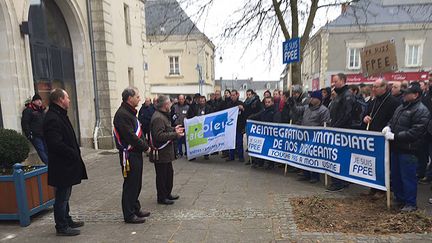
200	133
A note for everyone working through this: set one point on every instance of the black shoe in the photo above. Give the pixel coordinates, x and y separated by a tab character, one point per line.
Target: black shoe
192	159
247	162
165	202
142	214
224	156
302	178
206	157
173	197
76	224
228	160
135	220
335	188
313	180
242	160
68	232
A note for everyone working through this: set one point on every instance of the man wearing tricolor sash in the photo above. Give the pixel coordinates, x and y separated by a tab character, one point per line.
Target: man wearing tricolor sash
162	135
131	144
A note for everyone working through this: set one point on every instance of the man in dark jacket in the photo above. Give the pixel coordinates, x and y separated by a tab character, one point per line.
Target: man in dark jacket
65	165
179	113
300	99
131	144
218	102
424	170
252	104
269	114
340	114
32	122
380	111
144	116
406	131
162	149
241	125
202	108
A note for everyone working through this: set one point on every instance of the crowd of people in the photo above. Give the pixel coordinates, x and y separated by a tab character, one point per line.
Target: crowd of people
400	110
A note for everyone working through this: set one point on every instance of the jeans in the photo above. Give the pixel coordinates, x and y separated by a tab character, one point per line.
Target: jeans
180	142
238	148
311	175
404	178
61	207
40	146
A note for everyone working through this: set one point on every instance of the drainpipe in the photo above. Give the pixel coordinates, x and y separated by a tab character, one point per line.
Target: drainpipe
98	120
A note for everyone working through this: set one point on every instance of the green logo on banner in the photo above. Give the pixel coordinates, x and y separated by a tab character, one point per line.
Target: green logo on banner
195	135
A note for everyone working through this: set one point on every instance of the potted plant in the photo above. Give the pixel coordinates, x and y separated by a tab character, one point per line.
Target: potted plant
24	190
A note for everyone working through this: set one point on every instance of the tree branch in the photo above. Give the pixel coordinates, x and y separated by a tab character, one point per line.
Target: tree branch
280	17
309	24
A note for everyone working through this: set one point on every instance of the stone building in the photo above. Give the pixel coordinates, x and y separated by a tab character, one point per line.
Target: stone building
91	48
180	56
336	47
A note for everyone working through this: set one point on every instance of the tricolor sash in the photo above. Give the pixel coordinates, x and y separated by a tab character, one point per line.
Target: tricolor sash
126	148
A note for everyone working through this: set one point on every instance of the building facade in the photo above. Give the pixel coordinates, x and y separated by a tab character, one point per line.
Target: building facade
242	85
83	46
180	58
336	47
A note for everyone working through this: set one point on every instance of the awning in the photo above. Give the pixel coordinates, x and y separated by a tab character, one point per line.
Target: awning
399	76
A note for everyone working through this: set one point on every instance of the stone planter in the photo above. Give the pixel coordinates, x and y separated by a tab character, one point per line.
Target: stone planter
24	194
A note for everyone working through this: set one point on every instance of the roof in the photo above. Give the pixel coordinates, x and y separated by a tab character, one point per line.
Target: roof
238	84
374	12
166	17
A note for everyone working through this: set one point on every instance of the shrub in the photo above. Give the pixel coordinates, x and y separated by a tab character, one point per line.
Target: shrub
14	148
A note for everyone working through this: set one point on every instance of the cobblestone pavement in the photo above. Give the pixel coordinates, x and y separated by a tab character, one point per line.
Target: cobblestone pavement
220	202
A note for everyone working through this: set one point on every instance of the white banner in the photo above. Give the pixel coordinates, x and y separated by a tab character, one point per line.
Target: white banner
211	133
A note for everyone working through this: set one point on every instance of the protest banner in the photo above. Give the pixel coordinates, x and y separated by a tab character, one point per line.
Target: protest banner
360	157
378	59
211	133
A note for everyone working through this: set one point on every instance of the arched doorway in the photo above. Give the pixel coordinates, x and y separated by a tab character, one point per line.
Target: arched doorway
52	54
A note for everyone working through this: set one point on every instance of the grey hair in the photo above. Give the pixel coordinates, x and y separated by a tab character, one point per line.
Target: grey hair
129	92
297	89
161	101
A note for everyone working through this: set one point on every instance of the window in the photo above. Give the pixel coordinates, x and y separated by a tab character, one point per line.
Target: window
127	24
174	65
353	55
354	58
413	53
131	76
313	60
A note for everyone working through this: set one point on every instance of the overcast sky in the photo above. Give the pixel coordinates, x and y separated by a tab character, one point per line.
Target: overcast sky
251	63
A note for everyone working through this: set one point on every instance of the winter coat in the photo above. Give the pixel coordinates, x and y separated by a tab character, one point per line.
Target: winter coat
32	121
409	124
252	105
196	110
341	108
241	119
144	116
179	113
125	122
267	115
162	132
218	105
302	100
65	165
313	115
381	110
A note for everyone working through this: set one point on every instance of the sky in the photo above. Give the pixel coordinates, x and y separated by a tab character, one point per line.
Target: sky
236	61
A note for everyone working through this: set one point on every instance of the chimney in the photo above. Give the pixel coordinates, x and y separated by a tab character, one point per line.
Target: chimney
344	8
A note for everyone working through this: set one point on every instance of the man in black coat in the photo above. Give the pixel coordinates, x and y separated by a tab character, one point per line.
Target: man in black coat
202	108
380	111
406	132
241	125
341	117
65	165
144	116
32	122
131	144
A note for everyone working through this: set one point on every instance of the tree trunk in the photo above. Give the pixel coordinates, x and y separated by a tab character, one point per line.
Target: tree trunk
296	73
